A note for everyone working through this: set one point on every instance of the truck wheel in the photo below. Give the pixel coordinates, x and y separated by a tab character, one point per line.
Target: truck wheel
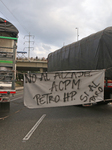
102	103
4	106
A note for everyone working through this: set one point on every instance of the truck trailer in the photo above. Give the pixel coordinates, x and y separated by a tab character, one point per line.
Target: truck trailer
8	46
90	53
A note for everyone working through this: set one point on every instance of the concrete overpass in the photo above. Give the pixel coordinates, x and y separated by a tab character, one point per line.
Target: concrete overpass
31	65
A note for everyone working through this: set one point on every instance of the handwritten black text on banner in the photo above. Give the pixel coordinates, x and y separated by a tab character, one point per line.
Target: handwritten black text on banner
63	88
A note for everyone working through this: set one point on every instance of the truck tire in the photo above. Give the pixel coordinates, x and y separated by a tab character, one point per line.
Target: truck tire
4	106
103	103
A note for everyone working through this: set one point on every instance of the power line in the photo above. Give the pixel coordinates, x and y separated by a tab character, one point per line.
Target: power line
3	15
13	15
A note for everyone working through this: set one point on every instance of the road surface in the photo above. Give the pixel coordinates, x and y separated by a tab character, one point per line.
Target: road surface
60	128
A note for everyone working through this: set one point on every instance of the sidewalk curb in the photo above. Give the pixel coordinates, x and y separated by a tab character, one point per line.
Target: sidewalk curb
19	88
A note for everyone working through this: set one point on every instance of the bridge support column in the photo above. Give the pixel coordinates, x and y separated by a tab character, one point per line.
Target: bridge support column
41	70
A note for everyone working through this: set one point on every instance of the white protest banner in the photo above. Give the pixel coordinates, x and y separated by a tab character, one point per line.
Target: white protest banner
63	88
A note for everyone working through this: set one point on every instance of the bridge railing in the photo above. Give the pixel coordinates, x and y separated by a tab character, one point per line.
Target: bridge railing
33	59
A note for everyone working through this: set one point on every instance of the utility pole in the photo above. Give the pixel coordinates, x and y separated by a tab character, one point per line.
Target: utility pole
77	34
29	43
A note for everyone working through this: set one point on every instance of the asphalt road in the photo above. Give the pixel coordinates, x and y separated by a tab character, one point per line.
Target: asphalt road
61	128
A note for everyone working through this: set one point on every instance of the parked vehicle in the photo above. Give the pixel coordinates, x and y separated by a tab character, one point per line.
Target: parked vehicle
90	53
8	46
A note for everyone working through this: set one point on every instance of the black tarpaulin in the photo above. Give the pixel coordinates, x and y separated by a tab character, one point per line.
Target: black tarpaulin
7	27
91	53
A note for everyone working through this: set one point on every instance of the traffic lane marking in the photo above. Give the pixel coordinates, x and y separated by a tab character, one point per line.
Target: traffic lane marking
16	99
29	134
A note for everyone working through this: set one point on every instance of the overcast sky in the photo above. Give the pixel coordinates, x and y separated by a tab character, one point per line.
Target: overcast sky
53	23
